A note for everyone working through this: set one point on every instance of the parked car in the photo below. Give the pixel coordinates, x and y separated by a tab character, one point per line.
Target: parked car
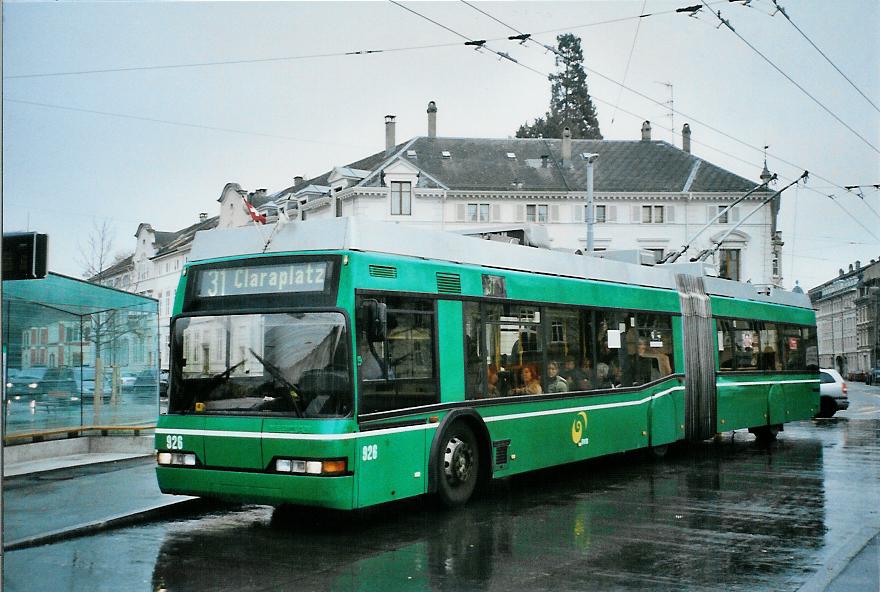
832	393
44	384
873	376
147	382
24	383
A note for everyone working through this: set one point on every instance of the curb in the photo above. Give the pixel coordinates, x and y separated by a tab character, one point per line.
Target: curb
127	519
839	560
133	460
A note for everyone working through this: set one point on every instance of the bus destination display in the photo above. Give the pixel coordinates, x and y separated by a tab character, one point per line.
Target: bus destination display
262	279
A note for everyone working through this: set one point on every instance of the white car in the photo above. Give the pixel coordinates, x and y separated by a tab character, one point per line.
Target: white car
832	393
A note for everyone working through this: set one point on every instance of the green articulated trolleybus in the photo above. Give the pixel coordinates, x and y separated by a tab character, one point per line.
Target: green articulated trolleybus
346	363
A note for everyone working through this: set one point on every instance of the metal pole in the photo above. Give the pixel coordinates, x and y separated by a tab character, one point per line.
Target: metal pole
591	210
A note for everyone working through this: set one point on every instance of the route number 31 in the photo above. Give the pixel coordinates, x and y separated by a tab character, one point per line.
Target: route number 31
370	452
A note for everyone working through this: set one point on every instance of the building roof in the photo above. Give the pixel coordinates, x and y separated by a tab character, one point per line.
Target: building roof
484	164
173	241
118	267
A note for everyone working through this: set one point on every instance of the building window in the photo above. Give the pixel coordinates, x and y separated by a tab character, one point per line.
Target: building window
652	214
600	214
478	212
536	213
723	218
729	264
401	198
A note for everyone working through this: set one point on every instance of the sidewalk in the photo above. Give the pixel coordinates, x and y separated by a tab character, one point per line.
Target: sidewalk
71	496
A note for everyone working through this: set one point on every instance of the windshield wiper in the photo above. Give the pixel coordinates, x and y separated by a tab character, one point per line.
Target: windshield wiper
278	375
226	373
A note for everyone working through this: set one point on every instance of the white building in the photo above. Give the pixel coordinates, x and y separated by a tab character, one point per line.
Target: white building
847	309
648	194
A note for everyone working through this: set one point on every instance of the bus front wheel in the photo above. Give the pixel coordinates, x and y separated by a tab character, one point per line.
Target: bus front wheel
458	465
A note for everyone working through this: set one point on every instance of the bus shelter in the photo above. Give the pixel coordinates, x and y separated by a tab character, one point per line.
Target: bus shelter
77	357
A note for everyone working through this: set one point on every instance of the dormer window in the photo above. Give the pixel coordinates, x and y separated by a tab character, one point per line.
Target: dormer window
446	154
511	155
411	153
401	198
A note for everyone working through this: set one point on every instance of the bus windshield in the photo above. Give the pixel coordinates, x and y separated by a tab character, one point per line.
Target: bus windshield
289	364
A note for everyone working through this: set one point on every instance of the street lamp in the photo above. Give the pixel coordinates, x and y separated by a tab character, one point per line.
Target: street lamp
590	157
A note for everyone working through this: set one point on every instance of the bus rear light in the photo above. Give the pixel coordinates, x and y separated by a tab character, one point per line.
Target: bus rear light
313	467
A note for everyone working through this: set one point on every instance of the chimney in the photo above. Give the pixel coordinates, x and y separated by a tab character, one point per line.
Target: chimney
850	268
390	142
566	147
646	131
297	180
685	138
203	216
544	159
858	265
840	271
432	119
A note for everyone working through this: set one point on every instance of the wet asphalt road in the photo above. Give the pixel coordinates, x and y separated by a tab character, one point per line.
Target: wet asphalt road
727	515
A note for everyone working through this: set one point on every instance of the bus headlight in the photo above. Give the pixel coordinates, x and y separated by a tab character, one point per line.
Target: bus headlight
337	466
184	459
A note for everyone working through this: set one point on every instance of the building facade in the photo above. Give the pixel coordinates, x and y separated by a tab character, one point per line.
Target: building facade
846	317
648	195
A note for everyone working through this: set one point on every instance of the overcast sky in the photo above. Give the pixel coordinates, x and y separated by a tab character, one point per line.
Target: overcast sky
157	144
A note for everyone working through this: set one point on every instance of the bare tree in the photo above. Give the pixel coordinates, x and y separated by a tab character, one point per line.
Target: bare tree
97	254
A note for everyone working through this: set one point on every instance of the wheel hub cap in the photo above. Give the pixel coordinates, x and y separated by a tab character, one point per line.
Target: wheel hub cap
457	461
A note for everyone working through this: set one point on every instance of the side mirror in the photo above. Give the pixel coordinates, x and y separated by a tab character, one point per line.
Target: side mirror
374	319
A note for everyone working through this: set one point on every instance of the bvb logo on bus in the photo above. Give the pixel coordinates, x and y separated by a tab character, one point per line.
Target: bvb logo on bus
578	427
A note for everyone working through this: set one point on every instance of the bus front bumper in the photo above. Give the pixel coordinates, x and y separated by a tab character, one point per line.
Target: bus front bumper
266	488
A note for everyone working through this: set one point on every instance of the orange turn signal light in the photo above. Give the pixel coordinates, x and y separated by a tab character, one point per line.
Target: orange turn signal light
333	467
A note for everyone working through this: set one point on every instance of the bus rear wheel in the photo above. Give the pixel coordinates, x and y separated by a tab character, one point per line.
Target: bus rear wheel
458	465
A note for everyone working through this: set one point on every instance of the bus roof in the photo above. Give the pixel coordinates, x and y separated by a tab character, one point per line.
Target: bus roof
409	240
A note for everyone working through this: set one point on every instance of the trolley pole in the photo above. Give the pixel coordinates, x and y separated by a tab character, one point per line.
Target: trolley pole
591	210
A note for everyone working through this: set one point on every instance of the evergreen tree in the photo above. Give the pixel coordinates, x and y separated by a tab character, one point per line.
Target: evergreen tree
570	103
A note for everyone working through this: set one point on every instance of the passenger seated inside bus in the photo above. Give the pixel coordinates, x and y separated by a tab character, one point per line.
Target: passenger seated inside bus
555	383
529	385
574	376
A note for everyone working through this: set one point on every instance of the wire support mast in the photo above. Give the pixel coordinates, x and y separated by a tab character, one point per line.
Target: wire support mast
704	254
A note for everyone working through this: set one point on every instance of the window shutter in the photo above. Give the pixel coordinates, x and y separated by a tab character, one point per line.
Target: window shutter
611	213
669	214
520	213
734	214
554	213
495	214
579	211
459	212
711	211
636	214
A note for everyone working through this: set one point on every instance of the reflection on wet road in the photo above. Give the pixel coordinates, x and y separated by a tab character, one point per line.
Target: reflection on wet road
718	515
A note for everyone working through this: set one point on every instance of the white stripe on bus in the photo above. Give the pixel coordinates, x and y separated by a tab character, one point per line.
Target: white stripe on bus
805	381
